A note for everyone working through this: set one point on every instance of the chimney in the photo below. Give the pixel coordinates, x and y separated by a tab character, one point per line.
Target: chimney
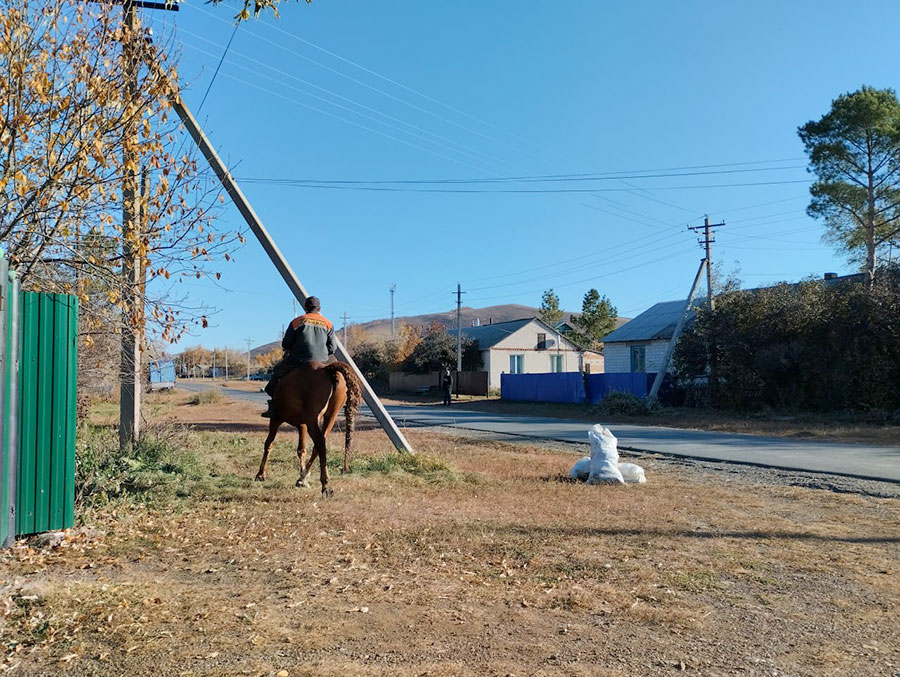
830	276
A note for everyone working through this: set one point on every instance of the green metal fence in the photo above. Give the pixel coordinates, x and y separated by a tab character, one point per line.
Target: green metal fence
38	361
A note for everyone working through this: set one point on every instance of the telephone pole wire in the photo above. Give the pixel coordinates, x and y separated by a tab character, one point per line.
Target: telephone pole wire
393	291
706	241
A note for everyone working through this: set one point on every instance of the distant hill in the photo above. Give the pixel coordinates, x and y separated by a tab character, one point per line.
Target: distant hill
380	330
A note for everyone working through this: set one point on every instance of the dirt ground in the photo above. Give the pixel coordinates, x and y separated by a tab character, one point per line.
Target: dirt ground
474	558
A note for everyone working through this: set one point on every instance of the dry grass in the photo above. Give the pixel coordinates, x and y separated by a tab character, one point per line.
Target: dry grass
481	560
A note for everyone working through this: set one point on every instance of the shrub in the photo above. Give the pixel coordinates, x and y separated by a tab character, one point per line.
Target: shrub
623	404
210	396
155	468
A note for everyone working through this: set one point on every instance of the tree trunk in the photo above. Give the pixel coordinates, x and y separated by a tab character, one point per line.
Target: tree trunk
870	224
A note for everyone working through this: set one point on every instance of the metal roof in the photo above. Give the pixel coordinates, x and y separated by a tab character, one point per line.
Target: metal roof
489	335
657	322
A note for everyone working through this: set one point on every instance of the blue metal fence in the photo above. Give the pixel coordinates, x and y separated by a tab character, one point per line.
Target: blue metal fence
561	387
572	387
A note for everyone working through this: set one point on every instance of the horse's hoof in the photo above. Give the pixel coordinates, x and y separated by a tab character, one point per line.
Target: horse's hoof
327	493
303	484
260	478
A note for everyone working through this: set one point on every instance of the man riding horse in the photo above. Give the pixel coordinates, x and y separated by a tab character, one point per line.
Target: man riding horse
309	338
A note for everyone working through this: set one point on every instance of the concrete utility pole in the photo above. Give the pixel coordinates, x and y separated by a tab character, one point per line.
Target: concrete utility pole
393	291
278	260
249	343
459	293
708	238
132	262
706	241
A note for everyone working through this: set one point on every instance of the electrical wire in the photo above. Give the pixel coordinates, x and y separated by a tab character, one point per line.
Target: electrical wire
218	66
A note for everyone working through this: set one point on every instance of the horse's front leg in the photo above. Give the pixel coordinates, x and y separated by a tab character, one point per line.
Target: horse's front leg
273	430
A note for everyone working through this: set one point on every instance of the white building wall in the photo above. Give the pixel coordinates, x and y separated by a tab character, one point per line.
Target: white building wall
618	356
524	342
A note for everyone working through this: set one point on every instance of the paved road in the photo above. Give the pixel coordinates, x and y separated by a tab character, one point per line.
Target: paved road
868	461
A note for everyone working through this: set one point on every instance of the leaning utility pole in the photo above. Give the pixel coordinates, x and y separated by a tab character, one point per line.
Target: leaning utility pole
393	291
664	366
268	244
459	293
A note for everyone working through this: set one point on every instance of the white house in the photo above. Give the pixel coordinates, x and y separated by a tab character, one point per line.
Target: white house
526	346
640	345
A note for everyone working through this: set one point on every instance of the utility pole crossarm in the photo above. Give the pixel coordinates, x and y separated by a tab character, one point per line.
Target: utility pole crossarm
277	258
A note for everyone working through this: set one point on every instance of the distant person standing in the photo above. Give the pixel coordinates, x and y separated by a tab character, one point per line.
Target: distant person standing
446	385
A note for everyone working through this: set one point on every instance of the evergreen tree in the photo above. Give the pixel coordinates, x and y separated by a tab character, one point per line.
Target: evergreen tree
598	318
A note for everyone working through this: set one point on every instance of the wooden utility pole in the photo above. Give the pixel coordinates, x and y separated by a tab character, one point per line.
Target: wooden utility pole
345	331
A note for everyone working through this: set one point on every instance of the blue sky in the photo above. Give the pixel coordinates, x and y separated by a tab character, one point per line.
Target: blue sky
423	91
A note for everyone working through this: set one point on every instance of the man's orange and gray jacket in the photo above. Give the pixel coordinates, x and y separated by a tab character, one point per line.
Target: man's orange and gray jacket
309	337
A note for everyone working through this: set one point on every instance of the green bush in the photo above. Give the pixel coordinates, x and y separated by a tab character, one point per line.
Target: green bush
157	467
622	404
809	347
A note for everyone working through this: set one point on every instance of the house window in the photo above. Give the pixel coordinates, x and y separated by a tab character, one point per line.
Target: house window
556	363
516	364
638	359
542	342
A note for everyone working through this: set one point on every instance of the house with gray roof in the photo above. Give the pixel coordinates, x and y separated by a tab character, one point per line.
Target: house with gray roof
525	346
640	345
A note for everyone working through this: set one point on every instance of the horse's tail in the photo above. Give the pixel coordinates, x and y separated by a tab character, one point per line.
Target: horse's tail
354	396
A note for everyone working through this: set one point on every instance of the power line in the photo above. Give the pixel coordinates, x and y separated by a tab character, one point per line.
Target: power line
574	178
472	153
387	189
375	89
209	87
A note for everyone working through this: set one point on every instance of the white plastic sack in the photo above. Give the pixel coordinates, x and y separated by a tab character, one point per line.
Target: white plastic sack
581	469
632	472
604	457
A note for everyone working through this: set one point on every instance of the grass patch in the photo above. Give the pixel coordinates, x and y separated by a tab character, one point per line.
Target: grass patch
211	396
156	467
430	469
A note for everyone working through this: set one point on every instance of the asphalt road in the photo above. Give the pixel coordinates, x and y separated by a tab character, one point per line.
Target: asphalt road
868	461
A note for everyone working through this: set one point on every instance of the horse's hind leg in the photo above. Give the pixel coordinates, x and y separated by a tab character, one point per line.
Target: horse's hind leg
274	423
305	464
319	450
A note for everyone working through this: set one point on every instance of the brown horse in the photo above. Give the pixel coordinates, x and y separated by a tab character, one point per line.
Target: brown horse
310	398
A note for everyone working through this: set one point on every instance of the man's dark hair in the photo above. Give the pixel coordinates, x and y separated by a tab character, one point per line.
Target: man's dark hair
312	304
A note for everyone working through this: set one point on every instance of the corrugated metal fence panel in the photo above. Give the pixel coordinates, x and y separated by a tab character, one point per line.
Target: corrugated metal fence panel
600	385
559	387
47	412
